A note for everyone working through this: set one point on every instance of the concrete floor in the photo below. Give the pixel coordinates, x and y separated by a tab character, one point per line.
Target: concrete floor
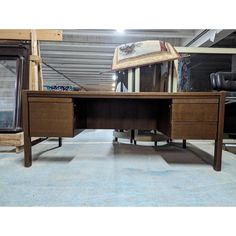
91	170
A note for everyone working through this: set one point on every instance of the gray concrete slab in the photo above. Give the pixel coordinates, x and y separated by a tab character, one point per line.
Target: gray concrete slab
91	170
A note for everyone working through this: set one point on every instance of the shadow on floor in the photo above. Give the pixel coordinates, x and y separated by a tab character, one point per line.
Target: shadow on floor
54	159
173	153
8	150
64	158
39	158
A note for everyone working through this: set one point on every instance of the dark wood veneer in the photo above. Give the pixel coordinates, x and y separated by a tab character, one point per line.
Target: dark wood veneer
179	115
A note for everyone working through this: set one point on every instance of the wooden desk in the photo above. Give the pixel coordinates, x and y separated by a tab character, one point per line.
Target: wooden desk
178	115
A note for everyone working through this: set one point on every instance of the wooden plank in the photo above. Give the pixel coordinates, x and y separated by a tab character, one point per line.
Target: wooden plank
40	70
205	50
194	112
33	79
25	34
36	75
140	95
194	130
16	139
19	149
196	100
31	75
35	58
45	99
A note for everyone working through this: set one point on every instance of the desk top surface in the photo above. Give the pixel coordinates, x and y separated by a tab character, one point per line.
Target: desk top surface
121	95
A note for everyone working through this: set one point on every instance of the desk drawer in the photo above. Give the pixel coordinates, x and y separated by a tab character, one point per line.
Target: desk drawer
194	130
194	112
51	117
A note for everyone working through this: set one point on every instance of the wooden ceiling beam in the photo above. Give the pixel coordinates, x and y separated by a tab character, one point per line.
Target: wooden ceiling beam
25	34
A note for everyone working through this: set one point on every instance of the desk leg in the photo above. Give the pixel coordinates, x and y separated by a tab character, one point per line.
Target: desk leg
131	135
59	141
218	155
27	151
184	143
26	129
220	132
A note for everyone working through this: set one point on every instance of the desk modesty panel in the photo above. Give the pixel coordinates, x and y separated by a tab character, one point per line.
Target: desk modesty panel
178	115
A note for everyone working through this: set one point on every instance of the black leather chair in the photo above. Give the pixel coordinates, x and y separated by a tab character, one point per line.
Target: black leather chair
226	81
